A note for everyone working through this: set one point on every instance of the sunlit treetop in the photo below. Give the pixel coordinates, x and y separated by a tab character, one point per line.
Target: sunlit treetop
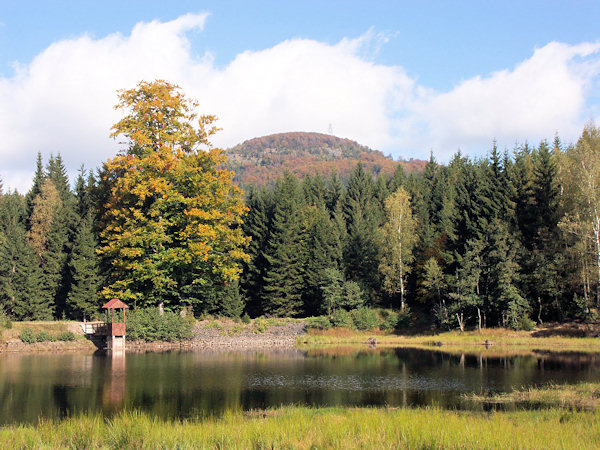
158	115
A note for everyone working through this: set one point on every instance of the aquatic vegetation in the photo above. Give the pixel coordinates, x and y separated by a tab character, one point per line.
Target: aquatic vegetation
579	396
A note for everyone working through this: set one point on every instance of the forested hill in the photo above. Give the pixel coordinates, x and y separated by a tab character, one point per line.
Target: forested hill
264	159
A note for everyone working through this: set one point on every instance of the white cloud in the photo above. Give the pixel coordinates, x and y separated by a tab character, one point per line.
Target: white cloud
540	96
63	100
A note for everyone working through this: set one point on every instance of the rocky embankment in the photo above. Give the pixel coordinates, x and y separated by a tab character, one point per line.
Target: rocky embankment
282	334
230	335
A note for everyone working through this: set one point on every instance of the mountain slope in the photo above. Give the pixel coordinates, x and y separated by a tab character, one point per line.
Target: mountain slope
264	159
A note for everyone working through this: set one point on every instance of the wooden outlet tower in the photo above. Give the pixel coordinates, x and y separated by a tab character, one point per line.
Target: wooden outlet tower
115	328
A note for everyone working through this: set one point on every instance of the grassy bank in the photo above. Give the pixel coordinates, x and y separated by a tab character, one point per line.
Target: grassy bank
582	396
456	340
297	427
51	328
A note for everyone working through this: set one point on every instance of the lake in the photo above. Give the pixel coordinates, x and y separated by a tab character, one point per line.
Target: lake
188	384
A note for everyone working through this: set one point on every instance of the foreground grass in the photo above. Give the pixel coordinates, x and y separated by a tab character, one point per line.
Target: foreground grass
295	427
580	396
463	341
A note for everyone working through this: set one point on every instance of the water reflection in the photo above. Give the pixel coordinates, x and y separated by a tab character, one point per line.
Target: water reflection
185	384
114	383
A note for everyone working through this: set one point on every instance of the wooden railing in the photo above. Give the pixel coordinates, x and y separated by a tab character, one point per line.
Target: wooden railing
103	329
98	328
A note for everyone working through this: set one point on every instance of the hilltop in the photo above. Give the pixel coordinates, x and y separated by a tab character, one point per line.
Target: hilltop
264	159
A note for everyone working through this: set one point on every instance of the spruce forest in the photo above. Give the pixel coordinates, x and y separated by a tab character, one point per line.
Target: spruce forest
508	240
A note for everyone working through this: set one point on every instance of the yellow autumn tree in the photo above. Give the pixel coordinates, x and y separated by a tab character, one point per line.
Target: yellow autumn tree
172	220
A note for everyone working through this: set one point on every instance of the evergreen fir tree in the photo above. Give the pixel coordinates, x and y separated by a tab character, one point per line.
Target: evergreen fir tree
521	177
361	250
314	190
256	225
503	276
56	272
284	278
83	298
334	194
232	303
19	270
545	281
38	180
324	251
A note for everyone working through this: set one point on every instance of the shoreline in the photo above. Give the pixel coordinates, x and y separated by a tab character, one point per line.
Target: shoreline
266	334
208	335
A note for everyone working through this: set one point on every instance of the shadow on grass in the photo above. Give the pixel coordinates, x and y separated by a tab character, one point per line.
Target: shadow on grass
570	329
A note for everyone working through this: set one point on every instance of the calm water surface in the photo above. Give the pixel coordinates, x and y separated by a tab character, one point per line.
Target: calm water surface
186	384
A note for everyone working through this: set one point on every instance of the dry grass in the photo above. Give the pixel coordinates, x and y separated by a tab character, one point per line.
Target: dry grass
583	396
455	341
37	326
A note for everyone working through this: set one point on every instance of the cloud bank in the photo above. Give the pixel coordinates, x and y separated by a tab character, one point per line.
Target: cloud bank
62	101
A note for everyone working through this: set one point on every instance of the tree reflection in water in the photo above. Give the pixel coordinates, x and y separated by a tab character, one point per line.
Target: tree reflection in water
187	384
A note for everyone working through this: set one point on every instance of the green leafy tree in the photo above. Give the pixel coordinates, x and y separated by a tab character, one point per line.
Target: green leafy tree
467	296
433	283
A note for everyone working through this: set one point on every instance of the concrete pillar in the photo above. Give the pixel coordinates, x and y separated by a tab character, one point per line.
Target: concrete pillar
115	345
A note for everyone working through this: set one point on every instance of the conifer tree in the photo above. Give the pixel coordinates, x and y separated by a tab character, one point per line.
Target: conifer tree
19	270
522	179
256	226
284	278
323	251
232	303
83	298
503	277
545	276
361	249
38	181
334	194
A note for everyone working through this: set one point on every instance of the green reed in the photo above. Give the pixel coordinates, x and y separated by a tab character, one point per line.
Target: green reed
300	427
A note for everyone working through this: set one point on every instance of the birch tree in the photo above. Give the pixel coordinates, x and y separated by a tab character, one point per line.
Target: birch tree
399	238
582	167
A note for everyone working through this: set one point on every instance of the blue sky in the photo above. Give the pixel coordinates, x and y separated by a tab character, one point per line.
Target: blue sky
401	77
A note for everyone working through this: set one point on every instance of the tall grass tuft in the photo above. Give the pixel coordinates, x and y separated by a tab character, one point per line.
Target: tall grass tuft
300	427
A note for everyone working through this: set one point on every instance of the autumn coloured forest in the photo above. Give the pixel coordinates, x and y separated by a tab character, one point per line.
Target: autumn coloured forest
510	240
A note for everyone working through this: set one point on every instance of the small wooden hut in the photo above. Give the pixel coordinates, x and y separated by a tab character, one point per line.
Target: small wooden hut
115	328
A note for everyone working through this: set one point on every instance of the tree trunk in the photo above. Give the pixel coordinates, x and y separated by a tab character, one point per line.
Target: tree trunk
479	319
401	265
540	310
161	308
460	322
401	291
